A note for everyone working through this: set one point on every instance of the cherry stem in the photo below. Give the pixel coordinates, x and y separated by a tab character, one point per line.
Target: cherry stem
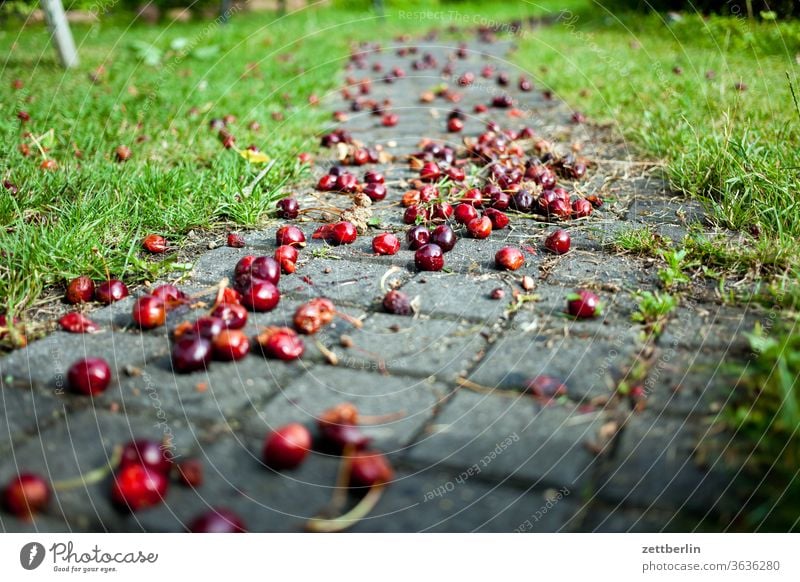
339	497
332	358
352	517
380	418
470	385
93	476
354	321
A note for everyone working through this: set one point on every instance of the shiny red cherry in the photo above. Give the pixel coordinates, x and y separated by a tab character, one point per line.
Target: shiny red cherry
287	447
90	376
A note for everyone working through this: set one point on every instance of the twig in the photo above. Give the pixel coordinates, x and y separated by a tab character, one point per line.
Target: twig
251	186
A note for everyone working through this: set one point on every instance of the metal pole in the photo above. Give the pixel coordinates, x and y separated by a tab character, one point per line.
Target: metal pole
59	30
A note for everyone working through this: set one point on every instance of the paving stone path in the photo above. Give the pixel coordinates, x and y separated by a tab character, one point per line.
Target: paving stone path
467	458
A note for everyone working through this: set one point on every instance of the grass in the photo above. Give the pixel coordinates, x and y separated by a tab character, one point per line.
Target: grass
729	148
641	241
653	310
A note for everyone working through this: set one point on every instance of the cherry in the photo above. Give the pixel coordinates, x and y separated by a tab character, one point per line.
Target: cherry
232	315
229	295
290	235
499	219
415	214
429	257
346	182
557	242
149	454
136	487
522	201
583	304
385	244
369	468
454	125
149	312
375	190
502	79
155	243
230	344
310	317
190	472
545	387
525	85
286	253
48	165
502	102
217	521
480	227
122	153
500	200
170	295
373	177
473	197
441	211
110	291
80	290
208	326
342	233
26	495
90	376
265	269
417	236
235	241
260	295
287	447
456	174
191	353
75	322
281	343
398	303
390	120
464	213
430	172
327	183
444	236
497	293
582	208
558	208
509	258
11	187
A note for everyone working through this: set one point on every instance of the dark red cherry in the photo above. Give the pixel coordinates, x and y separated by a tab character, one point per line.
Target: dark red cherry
260	295
148	453
385	244
429	257
136	487
80	290
191	353
149	312
287	447
90	376
232	315
444	236
217	521
417	236
110	291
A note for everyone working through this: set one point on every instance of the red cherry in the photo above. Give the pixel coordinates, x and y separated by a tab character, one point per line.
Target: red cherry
373	177
417	236
218	521
281	343
190	472
80	290
90	376
582	208
233	315
235	240
286	253
342	233
208	326
260	295
473	196
230	344
454	125
327	183
170	295
149	454
464	213
369	469
390	120
136	487
288	208
509	258
110	291
346	182
290	235
287	447
385	244
441	211
149	312
415	214
499	219
155	243
26	495
480	227
77	323
376	191
430	172
558	241
444	236
545	387
398	303
429	257
191	353
583	305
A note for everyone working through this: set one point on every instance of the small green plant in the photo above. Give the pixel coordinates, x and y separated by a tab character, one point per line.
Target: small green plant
654	310
674	273
639	241
766	417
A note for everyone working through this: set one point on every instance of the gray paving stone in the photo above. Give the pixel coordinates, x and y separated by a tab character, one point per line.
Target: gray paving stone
25	412
511	437
416	346
713	328
654	465
456	296
589	367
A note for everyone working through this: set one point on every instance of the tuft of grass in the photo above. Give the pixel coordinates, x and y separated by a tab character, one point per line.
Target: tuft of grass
674	272
653	310
642	241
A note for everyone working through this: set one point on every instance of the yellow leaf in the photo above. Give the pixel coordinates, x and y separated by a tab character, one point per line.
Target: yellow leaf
254	157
